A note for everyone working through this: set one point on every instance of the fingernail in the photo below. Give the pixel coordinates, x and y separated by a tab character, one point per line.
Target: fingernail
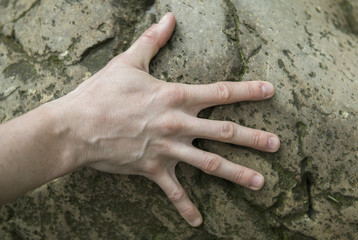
267	89
256	182
196	222
163	19
273	143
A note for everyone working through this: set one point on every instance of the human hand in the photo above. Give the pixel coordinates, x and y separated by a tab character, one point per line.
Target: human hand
122	120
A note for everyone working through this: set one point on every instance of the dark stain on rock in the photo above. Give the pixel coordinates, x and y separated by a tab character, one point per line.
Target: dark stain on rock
350	15
312	74
288	54
22	69
96	57
290	76
299	46
302	133
285	234
12	43
4	3
281	64
233	26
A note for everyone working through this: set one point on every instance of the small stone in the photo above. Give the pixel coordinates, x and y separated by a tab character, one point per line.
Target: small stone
344	114
63	55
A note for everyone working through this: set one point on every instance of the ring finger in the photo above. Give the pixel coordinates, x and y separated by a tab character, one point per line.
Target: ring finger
229	132
215	165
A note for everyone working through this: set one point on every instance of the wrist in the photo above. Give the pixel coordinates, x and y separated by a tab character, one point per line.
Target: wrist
36	148
58	127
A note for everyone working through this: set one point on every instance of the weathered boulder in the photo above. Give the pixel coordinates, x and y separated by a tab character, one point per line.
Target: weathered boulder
307	49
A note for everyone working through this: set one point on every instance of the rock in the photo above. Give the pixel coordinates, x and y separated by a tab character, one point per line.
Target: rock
350	9
311	59
64	30
307	49
11	11
199	49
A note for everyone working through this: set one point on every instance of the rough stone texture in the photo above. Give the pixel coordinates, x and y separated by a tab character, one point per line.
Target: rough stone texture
64	32
308	49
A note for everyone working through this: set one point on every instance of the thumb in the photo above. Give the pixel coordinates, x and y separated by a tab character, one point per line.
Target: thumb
148	45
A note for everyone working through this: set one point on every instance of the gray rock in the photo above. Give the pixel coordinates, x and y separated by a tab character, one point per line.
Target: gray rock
311	57
203	53
307	49
11	11
60	27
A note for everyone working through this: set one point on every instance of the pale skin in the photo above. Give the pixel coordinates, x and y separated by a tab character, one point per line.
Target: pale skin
124	121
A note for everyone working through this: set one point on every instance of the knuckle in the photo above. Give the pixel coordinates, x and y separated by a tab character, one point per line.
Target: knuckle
228	131
148	36
172	126
223	91
253	90
256	139
239	175
175	95
176	195
164	148
211	163
152	168
160	148
188	211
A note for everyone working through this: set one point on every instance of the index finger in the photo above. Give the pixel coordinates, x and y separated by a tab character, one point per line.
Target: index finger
203	96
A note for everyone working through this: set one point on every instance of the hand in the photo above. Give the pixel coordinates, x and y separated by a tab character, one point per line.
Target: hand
127	122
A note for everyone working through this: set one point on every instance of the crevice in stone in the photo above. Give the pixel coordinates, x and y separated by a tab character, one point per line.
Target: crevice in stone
280	199
13	44
254	53
284	233
301	134
5	94
52	61
95	46
236	38
352	20
75	40
24	13
130	17
186	4
97	56
307	180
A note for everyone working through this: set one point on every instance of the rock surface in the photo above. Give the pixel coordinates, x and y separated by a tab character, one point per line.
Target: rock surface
308	49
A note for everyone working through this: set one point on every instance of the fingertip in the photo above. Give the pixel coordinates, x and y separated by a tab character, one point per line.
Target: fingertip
273	143
197	222
268	90
257	182
168	23
168	17
192	216
171	17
